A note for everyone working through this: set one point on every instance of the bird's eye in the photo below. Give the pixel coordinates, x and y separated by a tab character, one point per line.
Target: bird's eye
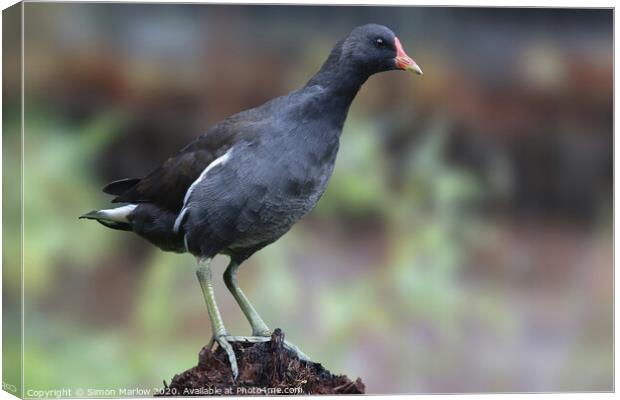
380	42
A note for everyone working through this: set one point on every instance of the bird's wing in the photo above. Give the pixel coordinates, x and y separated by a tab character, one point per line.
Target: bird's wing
166	186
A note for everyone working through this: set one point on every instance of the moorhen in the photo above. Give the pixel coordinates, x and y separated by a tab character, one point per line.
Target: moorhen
244	183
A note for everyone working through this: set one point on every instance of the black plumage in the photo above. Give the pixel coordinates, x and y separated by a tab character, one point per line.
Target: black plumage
248	179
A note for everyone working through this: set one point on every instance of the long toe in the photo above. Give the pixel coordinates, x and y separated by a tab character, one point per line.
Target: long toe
248	339
260	339
300	354
224	343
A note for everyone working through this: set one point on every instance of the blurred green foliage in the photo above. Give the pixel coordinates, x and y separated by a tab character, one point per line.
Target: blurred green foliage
417	285
419	269
428	230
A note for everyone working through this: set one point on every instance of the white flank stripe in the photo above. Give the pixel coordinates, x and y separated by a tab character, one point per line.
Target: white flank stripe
118	214
177	221
221	160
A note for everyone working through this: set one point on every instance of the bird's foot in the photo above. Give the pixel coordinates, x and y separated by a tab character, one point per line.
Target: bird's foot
300	354
264	331
248	339
224	342
258	339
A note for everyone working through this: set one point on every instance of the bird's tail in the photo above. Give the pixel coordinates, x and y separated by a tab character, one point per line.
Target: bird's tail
115	218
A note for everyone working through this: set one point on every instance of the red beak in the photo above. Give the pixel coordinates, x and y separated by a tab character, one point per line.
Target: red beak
403	61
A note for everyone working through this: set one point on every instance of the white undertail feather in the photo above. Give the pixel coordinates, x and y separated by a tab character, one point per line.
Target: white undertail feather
119	214
221	160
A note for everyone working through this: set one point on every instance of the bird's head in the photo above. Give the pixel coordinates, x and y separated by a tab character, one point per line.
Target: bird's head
375	48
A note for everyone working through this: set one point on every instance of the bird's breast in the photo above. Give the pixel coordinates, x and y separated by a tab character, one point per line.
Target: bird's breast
286	179
260	192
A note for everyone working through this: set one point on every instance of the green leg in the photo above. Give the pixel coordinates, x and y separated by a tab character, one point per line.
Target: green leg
217	324
260	330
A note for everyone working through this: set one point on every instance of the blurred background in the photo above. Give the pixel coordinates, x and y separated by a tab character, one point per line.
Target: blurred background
464	243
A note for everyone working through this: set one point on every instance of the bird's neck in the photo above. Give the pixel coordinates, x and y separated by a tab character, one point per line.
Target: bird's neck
341	81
